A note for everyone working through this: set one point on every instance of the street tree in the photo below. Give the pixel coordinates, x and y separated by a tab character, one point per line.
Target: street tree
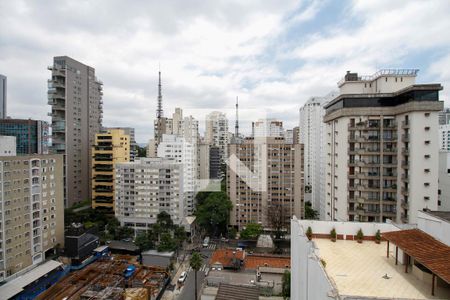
251	231
196	263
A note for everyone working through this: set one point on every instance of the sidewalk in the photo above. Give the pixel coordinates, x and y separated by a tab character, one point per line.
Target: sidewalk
172	295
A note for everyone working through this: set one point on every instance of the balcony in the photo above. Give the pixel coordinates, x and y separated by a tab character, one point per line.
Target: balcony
389	200
405	191
405	151
103	199
404	218
391	124
390	150
103	148
405	164
390	188
356	139
103	189
405	138
103	168
100	157
405	124
405	177
405	204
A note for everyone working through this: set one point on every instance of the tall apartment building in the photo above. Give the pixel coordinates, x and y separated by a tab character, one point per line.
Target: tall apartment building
31	135
312	136
185	154
216	133
444	116
444	137
3	91
7	145
32	210
444	181
146	187
75	96
110	148
132	139
382	148
265	181
267	127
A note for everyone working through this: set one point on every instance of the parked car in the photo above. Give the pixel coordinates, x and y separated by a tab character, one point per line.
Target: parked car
182	277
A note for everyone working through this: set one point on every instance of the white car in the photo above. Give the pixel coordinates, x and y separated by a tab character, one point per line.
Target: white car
182	277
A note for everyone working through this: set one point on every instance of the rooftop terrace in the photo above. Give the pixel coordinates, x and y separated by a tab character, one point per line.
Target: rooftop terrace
360	269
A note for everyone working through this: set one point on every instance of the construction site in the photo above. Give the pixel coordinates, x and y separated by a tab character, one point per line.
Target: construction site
116	277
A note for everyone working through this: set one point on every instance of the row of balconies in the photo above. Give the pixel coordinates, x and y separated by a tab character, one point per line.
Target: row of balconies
371	125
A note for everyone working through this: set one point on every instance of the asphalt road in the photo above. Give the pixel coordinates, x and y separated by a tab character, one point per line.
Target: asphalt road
188	291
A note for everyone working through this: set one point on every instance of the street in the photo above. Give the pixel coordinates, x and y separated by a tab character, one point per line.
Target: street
188	292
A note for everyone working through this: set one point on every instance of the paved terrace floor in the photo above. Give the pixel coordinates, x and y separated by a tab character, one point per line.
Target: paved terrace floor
358	270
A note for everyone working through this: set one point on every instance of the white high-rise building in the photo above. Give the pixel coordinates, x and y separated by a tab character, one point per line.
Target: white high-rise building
382	148
146	187
7	145
444	181
444	137
185	154
312	135
267	128
217	134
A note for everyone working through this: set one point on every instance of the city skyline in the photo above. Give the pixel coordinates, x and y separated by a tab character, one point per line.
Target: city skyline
209	54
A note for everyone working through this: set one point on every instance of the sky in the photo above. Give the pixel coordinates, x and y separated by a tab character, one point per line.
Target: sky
274	55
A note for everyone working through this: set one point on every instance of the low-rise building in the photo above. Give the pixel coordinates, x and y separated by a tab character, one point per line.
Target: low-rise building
408	263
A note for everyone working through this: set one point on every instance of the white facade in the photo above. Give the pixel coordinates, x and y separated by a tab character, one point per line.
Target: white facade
7	145
382	160
312	135
267	128
216	133
444	137
444	181
185	154
146	187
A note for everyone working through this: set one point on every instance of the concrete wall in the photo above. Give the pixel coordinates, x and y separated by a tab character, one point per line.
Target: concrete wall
7	145
444	181
308	277
437	228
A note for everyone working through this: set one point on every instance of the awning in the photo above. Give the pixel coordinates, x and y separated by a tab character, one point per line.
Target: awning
425	249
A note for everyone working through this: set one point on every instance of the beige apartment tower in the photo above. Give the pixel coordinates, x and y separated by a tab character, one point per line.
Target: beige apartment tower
32	211
75	96
265	181
382	148
110	148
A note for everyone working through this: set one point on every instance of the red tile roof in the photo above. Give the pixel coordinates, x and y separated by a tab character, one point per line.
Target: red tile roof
256	260
425	249
225	256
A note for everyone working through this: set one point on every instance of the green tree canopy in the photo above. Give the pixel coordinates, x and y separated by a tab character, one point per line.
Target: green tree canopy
144	241
213	214
251	231
310	213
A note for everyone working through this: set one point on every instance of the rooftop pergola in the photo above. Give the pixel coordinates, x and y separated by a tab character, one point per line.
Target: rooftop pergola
423	248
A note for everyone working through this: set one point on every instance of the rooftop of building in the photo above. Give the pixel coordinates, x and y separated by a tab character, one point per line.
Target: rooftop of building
264	260
443	215
380	73
237	292
107	279
363	270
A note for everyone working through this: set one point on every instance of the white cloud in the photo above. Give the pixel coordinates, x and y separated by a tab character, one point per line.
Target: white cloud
210	51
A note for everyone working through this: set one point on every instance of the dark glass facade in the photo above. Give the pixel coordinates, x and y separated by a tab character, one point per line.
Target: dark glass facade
31	135
349	101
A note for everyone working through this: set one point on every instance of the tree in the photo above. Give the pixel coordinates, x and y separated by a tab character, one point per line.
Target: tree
286	285
277	221
196	263
310	213
251	231
141	151
213	214
167	243
179	235
164	220
144	241
123	232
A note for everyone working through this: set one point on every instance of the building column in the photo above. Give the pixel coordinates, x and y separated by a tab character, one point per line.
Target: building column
396	255
387	251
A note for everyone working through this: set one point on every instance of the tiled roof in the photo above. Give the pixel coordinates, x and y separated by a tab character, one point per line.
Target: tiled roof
237	292
254	261
425	249
226	256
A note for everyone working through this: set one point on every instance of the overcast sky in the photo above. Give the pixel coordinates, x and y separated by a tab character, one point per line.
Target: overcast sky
273	54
